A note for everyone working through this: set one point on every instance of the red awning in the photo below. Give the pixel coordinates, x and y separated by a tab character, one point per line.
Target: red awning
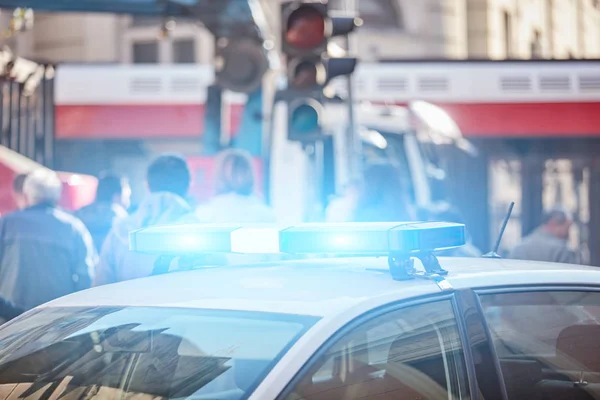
526	120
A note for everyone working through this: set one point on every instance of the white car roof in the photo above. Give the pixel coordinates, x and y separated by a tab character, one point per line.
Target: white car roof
324	287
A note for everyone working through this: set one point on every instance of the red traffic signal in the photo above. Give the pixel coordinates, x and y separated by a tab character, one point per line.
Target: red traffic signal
304	28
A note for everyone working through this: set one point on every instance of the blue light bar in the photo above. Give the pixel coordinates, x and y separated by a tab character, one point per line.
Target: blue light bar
348	238
427	237
372	238
343	239
182	239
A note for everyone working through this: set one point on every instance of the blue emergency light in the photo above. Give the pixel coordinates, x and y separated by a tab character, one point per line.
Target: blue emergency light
182	239
372	238
342	239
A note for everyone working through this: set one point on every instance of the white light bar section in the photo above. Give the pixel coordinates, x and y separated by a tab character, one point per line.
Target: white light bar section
255	241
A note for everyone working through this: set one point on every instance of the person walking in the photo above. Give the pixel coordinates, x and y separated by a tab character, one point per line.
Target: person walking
549	242
342	208
384	197
112	200
168	180
235	200
45	253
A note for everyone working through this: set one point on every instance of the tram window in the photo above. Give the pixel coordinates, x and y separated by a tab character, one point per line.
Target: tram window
184	51
145	52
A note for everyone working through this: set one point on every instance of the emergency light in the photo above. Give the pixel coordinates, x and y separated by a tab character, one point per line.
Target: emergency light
313	238
372	238
182	239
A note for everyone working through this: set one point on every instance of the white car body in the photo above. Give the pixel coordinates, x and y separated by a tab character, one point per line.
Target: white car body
336	290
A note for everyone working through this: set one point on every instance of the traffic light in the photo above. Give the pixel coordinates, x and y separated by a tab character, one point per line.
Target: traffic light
240	64
306	29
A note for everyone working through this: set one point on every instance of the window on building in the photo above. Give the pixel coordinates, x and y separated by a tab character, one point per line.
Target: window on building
376	14
411	353
547	342
184	51
381	13
550	26
145	52
508	34
536	46
143	21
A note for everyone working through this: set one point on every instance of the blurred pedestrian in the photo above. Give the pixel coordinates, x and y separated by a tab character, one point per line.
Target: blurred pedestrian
549	242
384	197
18	195
45	253
113	196
235	200
168	180
341	208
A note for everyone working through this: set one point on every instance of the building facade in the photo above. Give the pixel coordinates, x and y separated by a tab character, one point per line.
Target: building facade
458	29
558	29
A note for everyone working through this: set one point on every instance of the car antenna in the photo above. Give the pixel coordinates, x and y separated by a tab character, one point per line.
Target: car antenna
494	253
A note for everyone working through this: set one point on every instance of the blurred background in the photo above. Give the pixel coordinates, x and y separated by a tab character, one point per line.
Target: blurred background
518	78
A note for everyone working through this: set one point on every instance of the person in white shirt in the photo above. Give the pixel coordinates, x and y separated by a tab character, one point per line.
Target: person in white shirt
235	200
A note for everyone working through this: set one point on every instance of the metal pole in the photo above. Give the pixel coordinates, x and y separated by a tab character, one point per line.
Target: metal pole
10	116
314	153
319	160
354	142
49	130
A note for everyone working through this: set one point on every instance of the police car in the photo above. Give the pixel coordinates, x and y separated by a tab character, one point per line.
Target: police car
396	323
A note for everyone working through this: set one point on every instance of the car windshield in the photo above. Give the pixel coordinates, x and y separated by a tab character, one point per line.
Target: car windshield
142	353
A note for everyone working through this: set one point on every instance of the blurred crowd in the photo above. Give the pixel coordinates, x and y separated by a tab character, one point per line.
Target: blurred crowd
47	252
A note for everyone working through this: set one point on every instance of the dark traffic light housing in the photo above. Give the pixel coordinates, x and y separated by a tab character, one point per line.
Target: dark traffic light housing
306	29
343	24
240	64
340	66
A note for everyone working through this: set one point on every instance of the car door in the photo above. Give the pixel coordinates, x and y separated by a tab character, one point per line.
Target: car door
547	340
408	351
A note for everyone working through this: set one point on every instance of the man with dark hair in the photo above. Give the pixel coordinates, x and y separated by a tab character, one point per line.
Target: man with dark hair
549	242
169	173
112	200
168	180
18	191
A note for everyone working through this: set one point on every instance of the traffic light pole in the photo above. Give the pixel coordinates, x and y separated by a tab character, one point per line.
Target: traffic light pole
309	68
353	139
315	153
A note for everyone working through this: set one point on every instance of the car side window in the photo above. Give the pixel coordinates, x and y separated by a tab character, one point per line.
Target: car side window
548	343
407	354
